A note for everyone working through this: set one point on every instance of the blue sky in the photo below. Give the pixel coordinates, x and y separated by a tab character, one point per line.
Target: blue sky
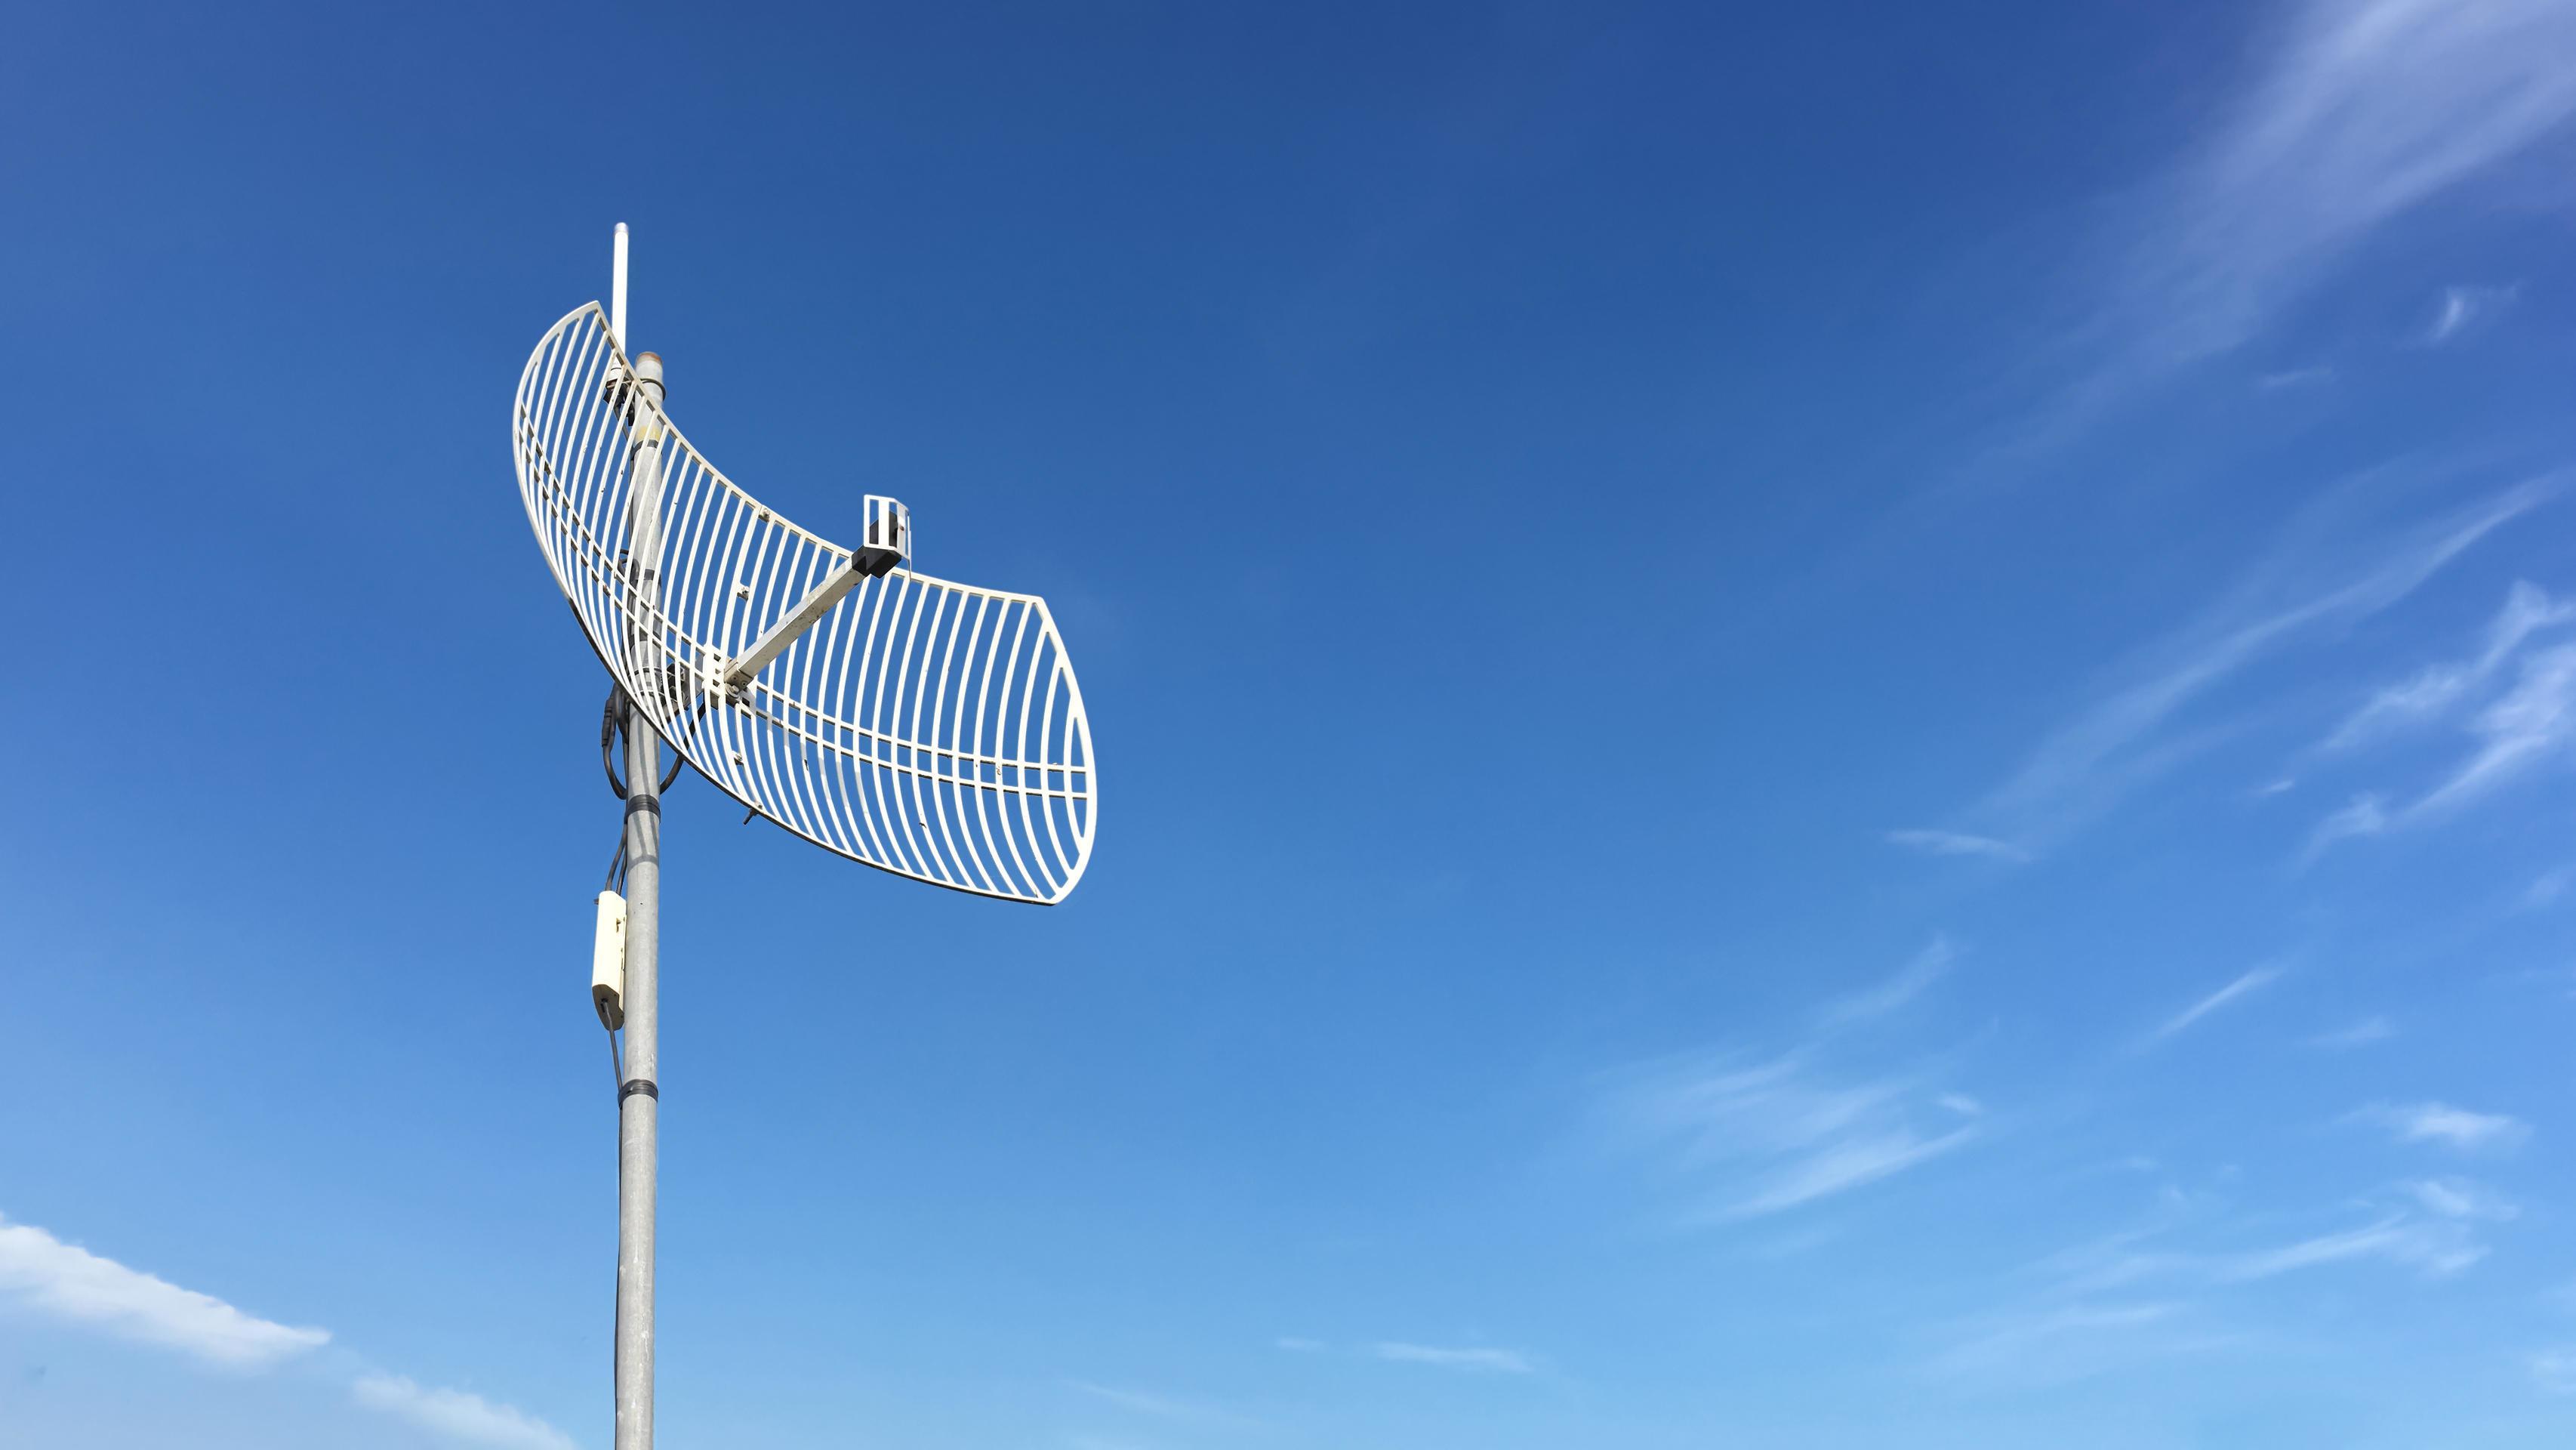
1820	727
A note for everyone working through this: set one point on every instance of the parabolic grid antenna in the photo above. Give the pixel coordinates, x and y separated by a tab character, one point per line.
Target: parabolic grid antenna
925	728
930	729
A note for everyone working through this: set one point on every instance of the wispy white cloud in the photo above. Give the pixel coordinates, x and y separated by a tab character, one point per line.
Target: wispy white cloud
2161	1286
2435	689
1162	1406
2357	1034
2561	978
1779	1133
2360	113
2535	721
2122	739
2357	113
2420	698
2449	1126
1137	1400
1848	1163
2554	1369
2352	115
1474	1359
1780	1247
2013	1339
1483	1361
2437	1248
1957	843
2054	1343
1910	981
457	1415
2462	1198
2430	1226
2308	377
2549	885
2363	816
2463	307
69	1282
2251	982
2433	1241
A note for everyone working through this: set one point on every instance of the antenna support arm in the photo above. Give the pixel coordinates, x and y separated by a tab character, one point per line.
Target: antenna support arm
887	542
808	610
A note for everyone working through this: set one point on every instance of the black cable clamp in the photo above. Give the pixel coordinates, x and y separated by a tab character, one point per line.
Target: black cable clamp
612	723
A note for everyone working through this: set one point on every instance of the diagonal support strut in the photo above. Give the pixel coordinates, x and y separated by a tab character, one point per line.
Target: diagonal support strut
867	563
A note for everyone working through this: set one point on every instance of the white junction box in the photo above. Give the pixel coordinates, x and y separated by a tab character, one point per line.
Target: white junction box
608	962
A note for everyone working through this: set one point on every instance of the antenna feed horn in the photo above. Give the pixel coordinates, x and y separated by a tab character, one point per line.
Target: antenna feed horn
887	539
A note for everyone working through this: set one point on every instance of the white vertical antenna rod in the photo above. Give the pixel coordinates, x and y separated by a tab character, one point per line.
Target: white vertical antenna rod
617	291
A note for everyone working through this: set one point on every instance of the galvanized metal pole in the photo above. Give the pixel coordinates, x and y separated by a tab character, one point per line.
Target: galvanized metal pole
639	1096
